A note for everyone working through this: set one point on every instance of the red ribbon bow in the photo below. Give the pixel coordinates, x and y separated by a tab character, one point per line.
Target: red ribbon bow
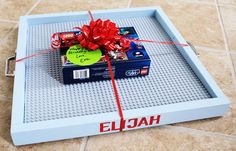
102	34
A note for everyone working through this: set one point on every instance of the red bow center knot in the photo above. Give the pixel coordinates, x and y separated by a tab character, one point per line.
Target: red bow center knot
102	34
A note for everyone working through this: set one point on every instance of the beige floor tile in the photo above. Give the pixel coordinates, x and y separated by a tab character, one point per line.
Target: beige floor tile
70	145
7	144
231	37
5	28
5	119
161	139
54	6
228	15
218	65
6	85
229	20
13	9
210	2
228	2
191	20
10	42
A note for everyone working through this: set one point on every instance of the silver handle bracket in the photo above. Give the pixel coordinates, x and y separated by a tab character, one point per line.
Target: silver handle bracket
7	67
193	48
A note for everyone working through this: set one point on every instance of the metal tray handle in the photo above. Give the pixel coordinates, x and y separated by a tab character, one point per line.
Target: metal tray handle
193	48
7	68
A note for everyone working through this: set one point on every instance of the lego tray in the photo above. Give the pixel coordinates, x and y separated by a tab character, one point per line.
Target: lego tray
177	89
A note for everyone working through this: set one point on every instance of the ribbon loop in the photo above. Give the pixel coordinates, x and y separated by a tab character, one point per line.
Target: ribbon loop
101	34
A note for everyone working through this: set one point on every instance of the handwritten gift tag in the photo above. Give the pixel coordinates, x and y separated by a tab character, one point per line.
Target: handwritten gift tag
83	57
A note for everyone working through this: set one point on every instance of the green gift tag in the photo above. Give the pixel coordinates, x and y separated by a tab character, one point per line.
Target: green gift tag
83	57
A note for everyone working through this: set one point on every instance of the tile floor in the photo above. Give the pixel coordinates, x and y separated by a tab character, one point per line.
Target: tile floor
209	24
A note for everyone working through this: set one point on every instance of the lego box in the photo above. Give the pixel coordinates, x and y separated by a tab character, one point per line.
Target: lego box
133	63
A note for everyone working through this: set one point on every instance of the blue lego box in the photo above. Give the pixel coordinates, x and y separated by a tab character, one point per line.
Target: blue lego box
133	63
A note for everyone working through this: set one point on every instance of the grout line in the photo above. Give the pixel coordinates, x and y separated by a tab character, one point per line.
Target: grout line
201	132
84	143
8	21
129	3
33	7
226	43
